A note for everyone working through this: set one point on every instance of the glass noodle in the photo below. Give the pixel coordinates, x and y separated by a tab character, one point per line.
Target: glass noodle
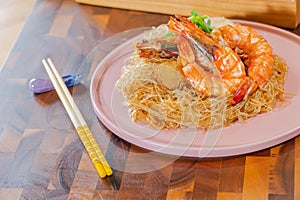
175	104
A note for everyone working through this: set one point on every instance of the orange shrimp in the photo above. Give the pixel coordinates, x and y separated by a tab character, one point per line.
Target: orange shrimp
208	67
254	49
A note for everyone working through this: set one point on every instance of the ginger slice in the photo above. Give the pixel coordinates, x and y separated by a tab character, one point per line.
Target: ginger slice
168	75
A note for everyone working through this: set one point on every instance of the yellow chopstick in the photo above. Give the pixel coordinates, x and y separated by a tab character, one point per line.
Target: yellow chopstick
78	121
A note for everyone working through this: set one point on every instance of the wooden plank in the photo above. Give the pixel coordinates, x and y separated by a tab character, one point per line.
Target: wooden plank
183	191
10	193
282	168
232	175
11	23
297	169
61	25
207	175
256	185
280	13
229	196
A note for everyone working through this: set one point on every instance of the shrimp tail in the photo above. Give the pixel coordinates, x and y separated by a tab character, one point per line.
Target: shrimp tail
245	89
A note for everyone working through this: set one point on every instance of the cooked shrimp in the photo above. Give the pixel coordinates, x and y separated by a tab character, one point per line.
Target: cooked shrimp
254	49
208	67
162	47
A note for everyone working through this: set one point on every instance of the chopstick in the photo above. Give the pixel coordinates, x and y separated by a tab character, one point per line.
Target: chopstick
85	135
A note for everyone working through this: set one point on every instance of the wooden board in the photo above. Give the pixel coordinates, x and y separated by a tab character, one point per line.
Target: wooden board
283	13
41	156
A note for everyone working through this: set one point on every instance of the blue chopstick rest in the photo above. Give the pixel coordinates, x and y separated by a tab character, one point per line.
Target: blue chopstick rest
40	85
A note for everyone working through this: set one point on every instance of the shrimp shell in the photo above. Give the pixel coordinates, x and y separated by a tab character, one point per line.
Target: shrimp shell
254	50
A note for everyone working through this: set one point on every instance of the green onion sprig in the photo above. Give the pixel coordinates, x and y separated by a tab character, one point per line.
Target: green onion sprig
203	22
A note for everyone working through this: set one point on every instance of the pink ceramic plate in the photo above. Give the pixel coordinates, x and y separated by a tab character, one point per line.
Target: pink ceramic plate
261	132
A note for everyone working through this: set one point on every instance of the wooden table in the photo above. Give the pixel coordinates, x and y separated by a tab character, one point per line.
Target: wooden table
41	156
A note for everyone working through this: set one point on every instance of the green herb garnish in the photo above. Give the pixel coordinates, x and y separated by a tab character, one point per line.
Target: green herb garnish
169	34
203	22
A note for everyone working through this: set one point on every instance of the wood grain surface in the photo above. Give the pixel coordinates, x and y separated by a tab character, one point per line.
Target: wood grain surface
284	13
41	156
